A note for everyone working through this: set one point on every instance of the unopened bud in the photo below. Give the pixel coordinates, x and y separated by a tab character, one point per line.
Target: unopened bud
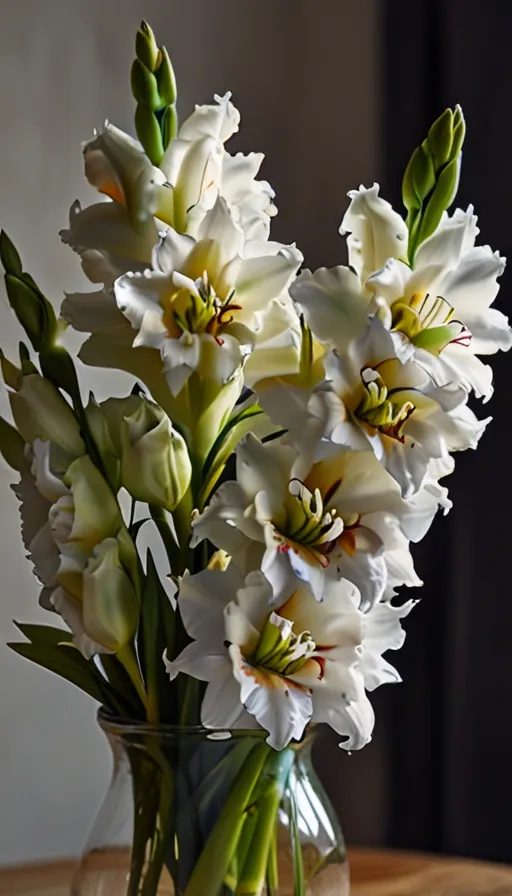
109	608
155	464
432	176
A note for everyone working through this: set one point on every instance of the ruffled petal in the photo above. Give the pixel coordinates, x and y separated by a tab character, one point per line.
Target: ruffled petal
376	232
280	706
333	304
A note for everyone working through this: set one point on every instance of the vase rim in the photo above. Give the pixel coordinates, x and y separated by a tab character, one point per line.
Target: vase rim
116	725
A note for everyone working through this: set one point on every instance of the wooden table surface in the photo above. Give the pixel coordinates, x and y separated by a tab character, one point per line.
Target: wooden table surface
374	873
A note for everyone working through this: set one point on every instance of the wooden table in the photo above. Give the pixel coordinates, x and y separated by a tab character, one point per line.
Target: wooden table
374	873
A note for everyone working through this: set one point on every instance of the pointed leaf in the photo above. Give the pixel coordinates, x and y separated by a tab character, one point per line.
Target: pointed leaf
9	255
69	664
12	447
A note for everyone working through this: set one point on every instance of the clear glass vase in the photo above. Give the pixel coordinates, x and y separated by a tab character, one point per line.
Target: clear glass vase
191	812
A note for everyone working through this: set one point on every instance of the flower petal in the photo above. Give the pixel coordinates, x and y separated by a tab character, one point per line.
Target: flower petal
333	304
280	706
376	231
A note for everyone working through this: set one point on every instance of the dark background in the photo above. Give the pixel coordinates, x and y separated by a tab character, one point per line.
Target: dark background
438	775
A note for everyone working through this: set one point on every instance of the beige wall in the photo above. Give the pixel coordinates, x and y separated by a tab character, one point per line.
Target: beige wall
304	74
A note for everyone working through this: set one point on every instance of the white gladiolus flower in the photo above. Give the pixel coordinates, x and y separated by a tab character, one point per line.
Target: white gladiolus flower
203	304
284	666
198	169
341	517
118	236
438	311
406	418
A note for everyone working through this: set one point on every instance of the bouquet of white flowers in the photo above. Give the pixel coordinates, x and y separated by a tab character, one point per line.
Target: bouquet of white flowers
342	394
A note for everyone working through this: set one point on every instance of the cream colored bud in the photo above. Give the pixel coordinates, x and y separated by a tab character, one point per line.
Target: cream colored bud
155	464
109	608
93	510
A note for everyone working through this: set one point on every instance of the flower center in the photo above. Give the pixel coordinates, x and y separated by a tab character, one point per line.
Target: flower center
198	311
309	527
381	409
280	649
428	322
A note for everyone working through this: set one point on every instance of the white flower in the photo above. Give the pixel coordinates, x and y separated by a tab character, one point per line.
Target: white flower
288	665
202	306
340	517
442	306
118	236
438	311
198	169
406	418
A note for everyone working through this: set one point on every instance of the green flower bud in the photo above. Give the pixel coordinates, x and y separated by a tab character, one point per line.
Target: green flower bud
103	435
27	307
166	79
32	309
154	89
431	177
146	47
145	86
40	412
149	134
155	464
169	125
109	608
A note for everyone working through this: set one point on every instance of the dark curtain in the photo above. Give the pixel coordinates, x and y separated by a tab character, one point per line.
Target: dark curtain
440	769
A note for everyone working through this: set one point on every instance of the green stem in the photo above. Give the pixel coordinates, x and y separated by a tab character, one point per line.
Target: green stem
299	878
182	519
272	869
214	861
128	659
145	796
252	878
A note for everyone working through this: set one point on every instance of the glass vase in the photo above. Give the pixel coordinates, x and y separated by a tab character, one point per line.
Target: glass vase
191	812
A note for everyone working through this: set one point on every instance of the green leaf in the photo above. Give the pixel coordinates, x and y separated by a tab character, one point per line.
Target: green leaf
157	633
67	662
52	648
129	704
12	447
239	424
9	255
48	635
